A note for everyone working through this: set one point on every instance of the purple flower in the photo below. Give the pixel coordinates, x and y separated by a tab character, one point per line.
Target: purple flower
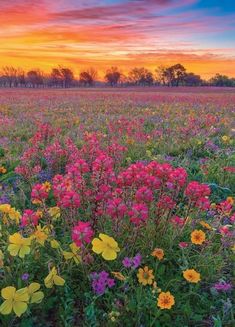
25	276
101	281
223	286
127	262
136	261
132	262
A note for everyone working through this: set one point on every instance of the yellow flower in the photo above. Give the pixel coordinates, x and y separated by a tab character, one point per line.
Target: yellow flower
40	236
225	138
145	276
54	212
158	253
19	245
74	254
14	215
35	295
5	208
47	186
2	170
191	276
53	279
14	300
55	244
165	300
205	225
105	245
198	237
118	275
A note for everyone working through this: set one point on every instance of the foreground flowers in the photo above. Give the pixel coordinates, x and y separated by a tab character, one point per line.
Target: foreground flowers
14	300
198	237
145	276
192	275
53	279
19	245
165	300
106	246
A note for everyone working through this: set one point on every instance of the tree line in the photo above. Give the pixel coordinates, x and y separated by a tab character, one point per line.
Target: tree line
63	77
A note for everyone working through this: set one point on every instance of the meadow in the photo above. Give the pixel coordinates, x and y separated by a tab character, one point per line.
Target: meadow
117	207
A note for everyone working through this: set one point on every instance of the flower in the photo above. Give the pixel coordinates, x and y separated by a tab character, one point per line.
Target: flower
158	253
223	286
198	237
19	245
101	281
40	236
25	276
54	244
54	212
105	245
132	262
82	232
183	245
14	300
35	296
118	275
145	276
205	225
73	254
53	279
127	262
225	138
2	170
192	276
165	300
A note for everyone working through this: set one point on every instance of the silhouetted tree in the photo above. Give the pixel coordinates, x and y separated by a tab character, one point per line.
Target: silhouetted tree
88	77
192	79
221	80
141	76
35	78
113	76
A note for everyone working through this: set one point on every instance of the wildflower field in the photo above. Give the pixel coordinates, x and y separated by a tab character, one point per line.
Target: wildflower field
117	207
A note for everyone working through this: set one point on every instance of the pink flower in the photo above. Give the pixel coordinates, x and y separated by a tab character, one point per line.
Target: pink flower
81	233
116	208
138	213
183	245
29	217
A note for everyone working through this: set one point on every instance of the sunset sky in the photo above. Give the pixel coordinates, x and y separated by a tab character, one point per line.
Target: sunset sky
124	33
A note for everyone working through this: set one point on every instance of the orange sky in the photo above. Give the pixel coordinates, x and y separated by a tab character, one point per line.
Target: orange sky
124	33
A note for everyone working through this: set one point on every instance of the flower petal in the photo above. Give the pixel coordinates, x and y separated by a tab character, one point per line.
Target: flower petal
13	249
33	287
37	297
59	281
8	292
109	254
98	246
19	308
6	307
24	250
22	295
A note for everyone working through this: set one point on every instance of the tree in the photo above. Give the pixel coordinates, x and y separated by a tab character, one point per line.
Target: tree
113	76
192	79
173	75
88	77
221	80
140	76
10	75
35	78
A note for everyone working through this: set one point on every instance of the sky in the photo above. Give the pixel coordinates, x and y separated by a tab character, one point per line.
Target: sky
79	34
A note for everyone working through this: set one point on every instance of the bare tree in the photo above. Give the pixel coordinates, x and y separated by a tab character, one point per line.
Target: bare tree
88	77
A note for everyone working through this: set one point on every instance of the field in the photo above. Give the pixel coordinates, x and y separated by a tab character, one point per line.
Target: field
117	207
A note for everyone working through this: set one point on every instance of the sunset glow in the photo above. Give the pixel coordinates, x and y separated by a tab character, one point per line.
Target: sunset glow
124	33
